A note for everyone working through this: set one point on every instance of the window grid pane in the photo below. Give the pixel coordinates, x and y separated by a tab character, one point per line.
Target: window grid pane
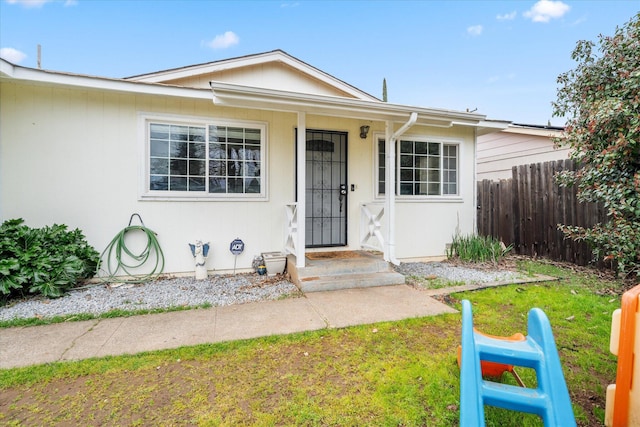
450	169
213	159
170	153
424	168
381	166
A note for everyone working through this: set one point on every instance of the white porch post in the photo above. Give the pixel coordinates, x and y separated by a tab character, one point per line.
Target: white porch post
301	161
389	191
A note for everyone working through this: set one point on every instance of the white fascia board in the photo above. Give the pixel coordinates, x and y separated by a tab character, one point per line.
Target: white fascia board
326	78
194	70
7	69
266	99
14	72
550	133
486	127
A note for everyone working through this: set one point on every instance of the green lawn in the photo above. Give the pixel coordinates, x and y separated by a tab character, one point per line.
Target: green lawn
389	374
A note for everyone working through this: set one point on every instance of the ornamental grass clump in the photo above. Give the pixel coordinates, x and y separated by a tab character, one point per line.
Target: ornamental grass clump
48	260
474	248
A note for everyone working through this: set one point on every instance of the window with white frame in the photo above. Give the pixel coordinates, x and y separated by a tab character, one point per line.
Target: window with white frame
205	159
424	167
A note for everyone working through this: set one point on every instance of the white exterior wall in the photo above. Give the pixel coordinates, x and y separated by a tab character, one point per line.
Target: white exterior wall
425	228
74	156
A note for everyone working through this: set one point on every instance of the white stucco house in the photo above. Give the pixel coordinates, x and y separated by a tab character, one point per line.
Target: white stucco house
265	148
518	144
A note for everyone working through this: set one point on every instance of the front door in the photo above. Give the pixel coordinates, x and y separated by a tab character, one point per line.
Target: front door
326	189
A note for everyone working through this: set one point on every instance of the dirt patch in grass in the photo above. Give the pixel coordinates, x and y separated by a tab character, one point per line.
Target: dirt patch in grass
592	403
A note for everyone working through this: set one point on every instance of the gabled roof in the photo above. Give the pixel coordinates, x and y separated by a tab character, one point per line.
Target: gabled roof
211	71
231	95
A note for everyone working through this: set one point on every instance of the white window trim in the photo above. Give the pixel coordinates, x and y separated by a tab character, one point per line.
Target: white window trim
447	198
144	118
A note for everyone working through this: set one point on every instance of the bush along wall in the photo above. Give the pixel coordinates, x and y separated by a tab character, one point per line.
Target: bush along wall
48	260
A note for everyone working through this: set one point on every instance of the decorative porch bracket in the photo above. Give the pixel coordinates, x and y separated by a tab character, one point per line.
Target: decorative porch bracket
370	226
291	239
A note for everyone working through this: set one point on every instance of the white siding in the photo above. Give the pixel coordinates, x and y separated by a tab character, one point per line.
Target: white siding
271	75
499	152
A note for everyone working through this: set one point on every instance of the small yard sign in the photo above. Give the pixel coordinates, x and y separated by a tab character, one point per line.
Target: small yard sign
237	247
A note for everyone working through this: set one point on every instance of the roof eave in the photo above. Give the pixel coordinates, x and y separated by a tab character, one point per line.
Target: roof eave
231	95
16	72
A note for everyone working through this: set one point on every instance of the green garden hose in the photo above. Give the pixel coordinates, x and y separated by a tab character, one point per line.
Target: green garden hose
120	259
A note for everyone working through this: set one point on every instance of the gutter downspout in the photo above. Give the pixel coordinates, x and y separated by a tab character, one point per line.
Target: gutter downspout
475	181
390	185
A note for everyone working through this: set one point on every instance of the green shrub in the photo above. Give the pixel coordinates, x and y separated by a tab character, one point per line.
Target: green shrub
48	260
474	248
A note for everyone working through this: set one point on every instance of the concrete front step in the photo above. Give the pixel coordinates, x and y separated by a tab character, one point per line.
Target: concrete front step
348	270
360	265
349	281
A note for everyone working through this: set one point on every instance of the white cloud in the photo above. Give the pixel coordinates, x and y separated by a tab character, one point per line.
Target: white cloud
579	21
32	4
475	30
507	16
29	3
12	55
290	4
501	78
546	10
223	41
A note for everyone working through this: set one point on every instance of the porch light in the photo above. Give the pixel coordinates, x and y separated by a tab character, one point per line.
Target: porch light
364	130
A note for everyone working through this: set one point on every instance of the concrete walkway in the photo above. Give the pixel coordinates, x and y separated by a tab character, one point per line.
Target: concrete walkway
129	335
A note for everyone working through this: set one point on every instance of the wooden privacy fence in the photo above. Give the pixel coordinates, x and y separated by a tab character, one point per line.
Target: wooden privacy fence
525	211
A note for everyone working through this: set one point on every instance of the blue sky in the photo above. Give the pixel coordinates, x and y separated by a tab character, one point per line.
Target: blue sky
499	57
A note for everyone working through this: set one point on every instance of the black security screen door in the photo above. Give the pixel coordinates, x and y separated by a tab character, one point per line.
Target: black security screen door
326	189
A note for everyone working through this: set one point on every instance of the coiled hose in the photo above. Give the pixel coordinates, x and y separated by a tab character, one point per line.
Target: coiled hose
119	258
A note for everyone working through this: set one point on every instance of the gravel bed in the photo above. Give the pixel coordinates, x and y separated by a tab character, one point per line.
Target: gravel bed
217	290
175	292
456	273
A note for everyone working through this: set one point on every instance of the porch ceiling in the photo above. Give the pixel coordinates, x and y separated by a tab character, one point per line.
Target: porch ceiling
232	95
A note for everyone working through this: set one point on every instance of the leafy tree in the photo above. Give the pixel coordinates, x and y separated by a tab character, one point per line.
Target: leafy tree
601	100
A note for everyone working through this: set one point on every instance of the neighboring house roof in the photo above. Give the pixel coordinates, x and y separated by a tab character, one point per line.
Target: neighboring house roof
542	130
356	104
271	70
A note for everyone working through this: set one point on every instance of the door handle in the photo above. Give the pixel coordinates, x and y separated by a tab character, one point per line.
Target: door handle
343	193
